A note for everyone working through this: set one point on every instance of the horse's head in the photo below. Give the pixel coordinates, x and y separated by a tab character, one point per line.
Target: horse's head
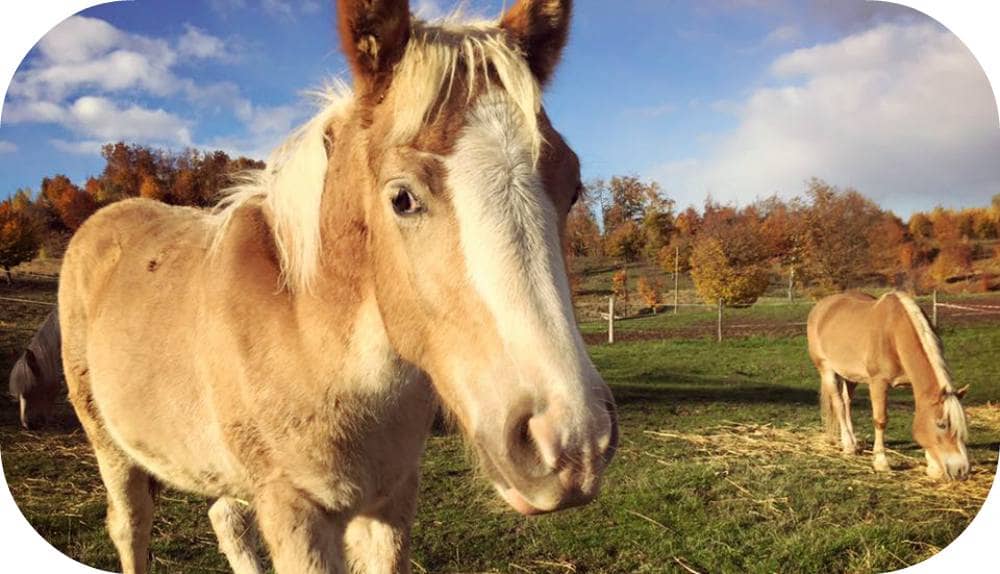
468	188
26	386
940	428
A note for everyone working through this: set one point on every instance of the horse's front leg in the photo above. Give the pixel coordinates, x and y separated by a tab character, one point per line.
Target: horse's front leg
302	536
379	541
879	392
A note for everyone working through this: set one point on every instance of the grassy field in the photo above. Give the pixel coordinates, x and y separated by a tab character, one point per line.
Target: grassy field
721	468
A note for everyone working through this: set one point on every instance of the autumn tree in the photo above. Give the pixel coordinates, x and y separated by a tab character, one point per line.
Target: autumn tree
19	239
836	238
625	242
886	240
583	237
678	250
619	287
628	196
651	291
729	258
150	188
71	205
716	276
657	224
921	227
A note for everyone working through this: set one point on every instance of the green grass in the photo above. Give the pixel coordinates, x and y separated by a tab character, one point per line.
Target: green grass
720	469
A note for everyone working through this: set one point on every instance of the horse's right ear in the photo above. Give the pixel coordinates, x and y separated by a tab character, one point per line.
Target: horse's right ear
373	36
540	29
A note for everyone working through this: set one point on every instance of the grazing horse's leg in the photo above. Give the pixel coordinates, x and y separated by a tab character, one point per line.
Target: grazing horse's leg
847	391
379	542
879	390
129	488
303	537
130	508
233	522
833	385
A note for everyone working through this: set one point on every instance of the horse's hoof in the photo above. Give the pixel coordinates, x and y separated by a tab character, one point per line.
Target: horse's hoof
881	464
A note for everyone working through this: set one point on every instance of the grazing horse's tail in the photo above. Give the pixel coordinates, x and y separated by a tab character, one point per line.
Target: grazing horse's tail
830	424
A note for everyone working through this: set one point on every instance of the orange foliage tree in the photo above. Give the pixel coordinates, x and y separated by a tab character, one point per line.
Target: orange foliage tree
19	240
619	287
68	202
837	235
651	291
583	237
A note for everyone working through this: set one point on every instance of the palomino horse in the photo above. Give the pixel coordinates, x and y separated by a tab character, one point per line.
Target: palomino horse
36	379
282	354
887	342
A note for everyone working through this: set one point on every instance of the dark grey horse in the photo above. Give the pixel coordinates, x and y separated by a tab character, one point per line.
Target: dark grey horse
37	377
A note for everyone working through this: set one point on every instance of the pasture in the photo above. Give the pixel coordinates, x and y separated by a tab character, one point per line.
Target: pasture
721	468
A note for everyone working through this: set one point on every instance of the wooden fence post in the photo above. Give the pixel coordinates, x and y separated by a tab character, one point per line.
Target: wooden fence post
720	321
677	267
791	283
611	319
934	307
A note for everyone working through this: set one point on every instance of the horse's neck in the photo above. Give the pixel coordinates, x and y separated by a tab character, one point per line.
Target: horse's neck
916	364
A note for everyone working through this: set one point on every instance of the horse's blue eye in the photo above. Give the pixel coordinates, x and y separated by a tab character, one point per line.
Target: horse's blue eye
403	203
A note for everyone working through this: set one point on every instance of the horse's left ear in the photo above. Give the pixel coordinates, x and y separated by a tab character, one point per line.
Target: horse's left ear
960	393
540	29
373	35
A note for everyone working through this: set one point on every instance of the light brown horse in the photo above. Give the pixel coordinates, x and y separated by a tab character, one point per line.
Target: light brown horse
887	342
285	350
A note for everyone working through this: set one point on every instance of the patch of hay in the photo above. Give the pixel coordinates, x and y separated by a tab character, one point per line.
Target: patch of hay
770	446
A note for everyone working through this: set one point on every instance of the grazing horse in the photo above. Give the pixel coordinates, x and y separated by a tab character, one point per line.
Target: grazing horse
36	379
285	353
887	342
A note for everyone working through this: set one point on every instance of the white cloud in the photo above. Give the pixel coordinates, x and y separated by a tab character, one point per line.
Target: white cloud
103	119
7	147
84	147
196	43
83	53
266	127
32	111
903	113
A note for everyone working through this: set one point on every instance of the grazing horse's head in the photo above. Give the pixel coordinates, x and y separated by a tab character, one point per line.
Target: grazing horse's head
940	428
466	190
33	397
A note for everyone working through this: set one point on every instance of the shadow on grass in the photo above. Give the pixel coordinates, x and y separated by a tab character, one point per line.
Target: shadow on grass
673	388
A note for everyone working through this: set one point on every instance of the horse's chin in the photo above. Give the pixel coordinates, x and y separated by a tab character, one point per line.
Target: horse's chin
516	501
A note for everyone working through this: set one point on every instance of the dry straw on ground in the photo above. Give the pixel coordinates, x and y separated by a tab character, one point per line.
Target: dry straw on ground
767	446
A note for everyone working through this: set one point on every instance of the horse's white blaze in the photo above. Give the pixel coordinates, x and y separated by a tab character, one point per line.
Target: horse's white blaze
510	240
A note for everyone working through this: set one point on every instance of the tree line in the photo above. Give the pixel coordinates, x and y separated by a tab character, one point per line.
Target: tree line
829	239
30	223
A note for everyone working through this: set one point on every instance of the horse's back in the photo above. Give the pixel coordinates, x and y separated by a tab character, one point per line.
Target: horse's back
839	331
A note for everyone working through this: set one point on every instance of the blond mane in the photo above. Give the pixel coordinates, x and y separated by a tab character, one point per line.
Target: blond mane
290	189
931	345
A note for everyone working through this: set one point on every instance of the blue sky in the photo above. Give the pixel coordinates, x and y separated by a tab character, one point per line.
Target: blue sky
734	98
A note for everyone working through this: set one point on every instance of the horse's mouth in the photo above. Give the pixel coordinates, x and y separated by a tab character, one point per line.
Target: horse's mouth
518	502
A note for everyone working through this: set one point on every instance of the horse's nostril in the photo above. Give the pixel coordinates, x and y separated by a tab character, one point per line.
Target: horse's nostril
545	439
